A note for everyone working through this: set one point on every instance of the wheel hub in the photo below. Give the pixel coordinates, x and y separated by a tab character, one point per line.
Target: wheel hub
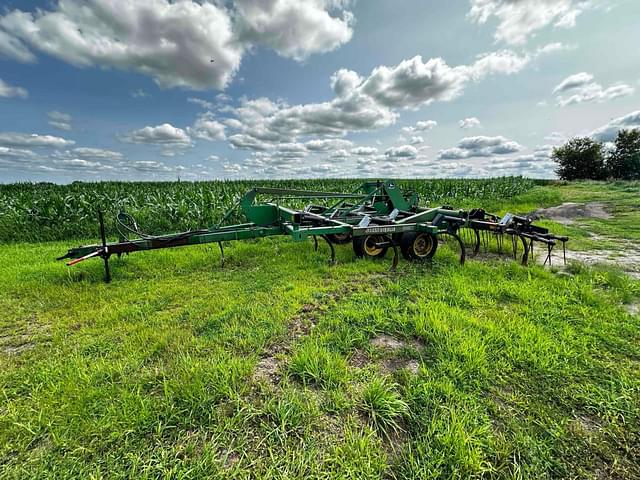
371	248
422	245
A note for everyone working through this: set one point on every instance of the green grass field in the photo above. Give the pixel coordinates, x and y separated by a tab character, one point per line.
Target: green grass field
282	366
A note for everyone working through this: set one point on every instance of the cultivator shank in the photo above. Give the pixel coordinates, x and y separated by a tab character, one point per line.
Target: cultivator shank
376	217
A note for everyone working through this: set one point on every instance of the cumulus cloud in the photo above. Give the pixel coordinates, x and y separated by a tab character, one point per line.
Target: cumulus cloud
59	120
294	28
207	128
582	87
403	151
9	91
519	19
363	103
327	144
174	42
468	123
480	146
10	139
608	132
364	151
84	163
165	134
421	126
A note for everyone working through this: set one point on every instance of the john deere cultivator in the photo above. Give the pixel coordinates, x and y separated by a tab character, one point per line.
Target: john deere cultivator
376	217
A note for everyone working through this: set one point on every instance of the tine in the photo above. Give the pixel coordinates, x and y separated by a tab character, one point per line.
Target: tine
333	250
394	263
525	245
476	247
221	255
315	243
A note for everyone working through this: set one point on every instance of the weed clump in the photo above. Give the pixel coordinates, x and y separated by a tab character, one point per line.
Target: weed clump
383	406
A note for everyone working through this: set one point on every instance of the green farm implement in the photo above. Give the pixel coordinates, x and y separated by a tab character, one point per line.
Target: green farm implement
375	218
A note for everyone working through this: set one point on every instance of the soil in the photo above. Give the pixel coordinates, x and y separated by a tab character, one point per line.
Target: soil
568	212
627	258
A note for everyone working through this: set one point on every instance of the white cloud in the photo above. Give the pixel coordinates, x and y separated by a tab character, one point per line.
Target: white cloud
201	103
172	42
11	139
480	146
364	151
139	93
294	28
87	153
362	103
12	47
421	126
340	154
416	139
581	88
183	43
165	134
403	151
59	120
7	152
9	91
556	137
608	132
573	81
327	144
207	128
519	19
468	123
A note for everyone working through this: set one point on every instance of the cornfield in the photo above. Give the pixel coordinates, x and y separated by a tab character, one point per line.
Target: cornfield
45	211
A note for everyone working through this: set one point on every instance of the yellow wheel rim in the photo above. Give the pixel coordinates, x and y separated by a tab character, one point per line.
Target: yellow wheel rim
370	247
422	245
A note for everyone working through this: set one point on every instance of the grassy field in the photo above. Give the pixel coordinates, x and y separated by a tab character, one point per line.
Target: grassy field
281	366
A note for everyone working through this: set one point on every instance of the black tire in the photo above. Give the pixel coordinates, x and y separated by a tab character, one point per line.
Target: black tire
417	246
340	238
364	247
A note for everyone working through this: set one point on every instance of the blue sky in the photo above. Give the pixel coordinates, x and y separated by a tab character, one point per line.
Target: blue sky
113	89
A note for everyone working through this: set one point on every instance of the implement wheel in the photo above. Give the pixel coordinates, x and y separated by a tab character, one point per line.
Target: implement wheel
340	238
418	247
365	246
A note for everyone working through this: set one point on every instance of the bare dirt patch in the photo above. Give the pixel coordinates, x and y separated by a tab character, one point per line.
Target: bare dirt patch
633	309
394	364
15	340
628	260
267	369
387	342
392	359
568	212
359	359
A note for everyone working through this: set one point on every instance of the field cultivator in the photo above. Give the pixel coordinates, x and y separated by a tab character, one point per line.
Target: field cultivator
375	218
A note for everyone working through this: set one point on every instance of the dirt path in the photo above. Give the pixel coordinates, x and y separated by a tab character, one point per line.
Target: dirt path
627	258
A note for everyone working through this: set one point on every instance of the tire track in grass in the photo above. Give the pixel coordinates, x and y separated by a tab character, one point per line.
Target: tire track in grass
300	325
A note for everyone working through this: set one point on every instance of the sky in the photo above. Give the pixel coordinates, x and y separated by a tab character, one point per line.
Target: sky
196	90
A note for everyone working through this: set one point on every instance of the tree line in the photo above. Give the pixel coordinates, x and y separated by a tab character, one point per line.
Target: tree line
583	158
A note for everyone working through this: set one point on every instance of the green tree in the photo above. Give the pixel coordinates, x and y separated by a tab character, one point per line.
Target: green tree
579	159
624	161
